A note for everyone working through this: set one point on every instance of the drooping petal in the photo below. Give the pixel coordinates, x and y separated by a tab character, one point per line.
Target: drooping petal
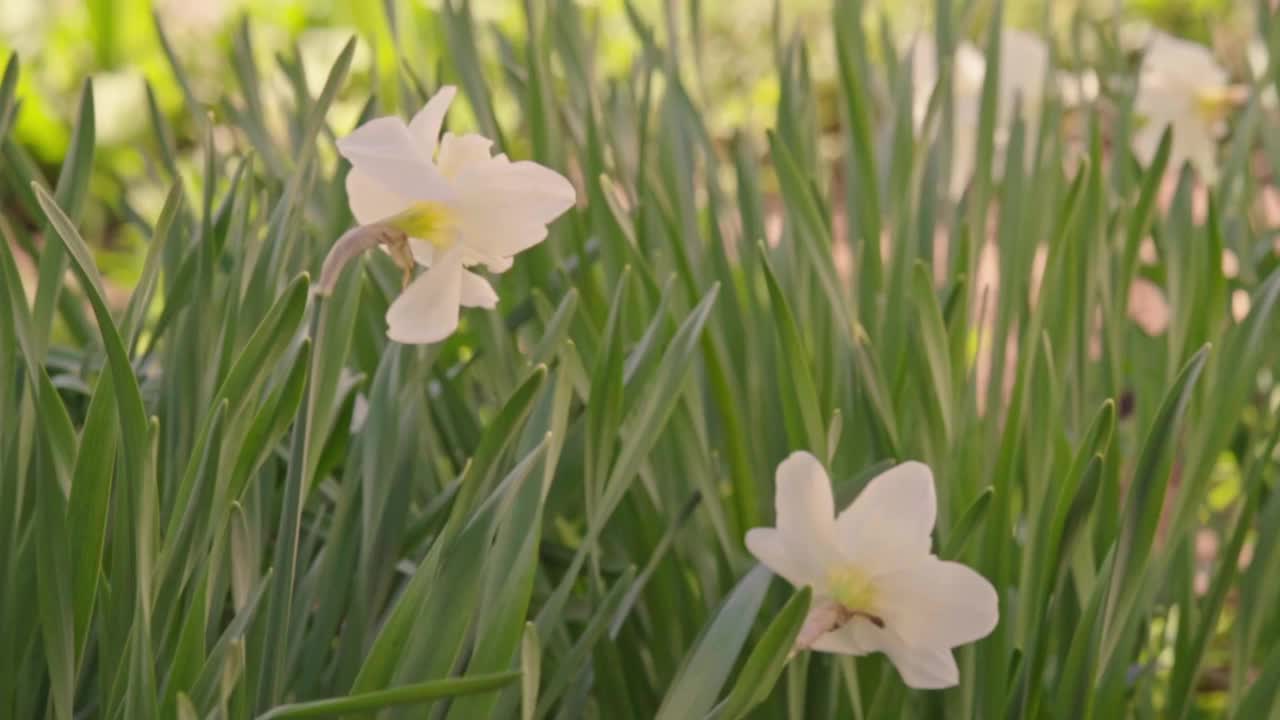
384	150
458	152
427	310
891	520
768	546
477	292
425	125
372	201
923	668
504	207
937	603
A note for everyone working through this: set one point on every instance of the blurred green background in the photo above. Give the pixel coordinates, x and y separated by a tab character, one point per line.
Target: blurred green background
116	44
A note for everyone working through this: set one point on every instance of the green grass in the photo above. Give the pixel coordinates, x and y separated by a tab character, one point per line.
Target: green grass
542	517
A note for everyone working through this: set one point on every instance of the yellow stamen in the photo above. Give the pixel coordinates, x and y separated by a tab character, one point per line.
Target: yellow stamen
853	590
1215	103
426	220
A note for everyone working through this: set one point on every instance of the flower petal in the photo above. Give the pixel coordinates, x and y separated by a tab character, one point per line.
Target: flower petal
423	252
937	603
458	152
427	311
425	125
477	292
923	668
385	150
372	201
890	520
1182	62
803	493
504	207
805	516
499	265
768	546
1195	142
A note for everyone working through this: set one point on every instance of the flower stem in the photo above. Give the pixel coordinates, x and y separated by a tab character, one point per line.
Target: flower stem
352	243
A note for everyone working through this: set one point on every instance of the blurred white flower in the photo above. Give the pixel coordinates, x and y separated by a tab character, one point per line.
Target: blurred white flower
1181	86
1024	59
876	585
459	205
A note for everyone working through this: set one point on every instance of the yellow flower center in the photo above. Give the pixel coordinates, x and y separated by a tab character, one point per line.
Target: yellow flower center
425	220
1214	103
852	589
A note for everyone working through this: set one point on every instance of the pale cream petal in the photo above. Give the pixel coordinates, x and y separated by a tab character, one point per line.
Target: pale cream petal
427	310
1182	62
372	201
384	150
477	292
425	125
1159	107
1197	143
937	603
458	152
805	513
505	207
1146	140
767	545
804	492
922	668
500	235
423	252
499	265
891	520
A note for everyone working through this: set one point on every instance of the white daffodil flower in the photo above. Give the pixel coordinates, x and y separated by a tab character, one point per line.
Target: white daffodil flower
1183	87
876	585
448	206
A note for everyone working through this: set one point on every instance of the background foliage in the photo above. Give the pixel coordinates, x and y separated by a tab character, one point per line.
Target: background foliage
221	497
